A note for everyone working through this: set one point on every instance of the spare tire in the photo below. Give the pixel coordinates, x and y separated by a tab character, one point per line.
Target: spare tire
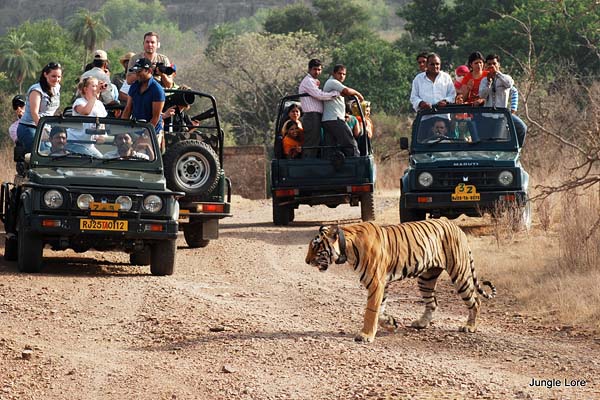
191	166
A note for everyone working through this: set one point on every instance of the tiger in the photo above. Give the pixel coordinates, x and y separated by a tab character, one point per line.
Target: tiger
381	254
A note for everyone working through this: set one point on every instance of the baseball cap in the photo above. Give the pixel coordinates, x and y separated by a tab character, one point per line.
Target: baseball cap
100	55
18	101
141	63
461	70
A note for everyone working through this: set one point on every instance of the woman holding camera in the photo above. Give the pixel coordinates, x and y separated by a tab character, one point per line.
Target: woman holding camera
43	98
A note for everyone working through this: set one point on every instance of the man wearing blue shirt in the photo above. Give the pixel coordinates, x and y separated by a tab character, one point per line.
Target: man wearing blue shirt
146	97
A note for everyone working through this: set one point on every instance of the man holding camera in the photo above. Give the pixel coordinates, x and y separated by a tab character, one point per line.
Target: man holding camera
151	46
109	94
146	97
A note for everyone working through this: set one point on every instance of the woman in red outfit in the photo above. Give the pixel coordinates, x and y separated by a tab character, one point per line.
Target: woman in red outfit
469	90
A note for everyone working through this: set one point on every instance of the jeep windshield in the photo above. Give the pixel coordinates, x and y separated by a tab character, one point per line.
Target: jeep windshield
92	139
456	127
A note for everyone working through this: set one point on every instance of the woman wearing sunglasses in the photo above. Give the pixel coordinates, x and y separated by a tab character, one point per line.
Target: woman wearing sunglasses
43	98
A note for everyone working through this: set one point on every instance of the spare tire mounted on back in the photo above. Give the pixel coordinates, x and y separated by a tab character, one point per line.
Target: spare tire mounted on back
191	166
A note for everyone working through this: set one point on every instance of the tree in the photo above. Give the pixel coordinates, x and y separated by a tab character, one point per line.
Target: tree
18	58
382	73
250	74
126	15
293	18
89	29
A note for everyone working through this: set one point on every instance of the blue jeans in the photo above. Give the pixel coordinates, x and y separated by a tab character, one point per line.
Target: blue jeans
25	135
520	127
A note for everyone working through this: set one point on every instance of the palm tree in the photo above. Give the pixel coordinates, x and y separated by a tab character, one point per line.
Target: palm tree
89	29
18	58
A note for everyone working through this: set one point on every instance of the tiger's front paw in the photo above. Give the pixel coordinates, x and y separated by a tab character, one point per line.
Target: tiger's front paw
363	338
420	323
469	328
388	323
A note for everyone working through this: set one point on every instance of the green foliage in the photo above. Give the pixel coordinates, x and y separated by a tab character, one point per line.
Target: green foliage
53	43
292	18
124	15
89	29
219	34
251	72
378	70
18	58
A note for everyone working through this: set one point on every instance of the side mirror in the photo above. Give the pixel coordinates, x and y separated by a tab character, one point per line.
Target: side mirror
403	143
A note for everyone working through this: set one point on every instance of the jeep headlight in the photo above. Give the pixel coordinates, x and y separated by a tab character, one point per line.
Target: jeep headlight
84	200
53	199
124	203
152	203
505	178
425	179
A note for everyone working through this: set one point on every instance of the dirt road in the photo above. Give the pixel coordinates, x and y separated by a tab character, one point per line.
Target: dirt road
246	318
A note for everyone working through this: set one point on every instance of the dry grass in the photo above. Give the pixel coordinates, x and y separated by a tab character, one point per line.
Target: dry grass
6	158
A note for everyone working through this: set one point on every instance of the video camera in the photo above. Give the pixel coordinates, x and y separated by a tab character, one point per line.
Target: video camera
179	98
165	69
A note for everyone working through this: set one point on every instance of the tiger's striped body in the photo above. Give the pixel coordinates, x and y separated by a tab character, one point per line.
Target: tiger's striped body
383	254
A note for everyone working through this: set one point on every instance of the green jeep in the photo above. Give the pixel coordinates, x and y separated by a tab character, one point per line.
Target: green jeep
331	180
463	160
194	164
91	183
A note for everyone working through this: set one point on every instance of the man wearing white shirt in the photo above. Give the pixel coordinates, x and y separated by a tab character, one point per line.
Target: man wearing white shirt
312	107
432	87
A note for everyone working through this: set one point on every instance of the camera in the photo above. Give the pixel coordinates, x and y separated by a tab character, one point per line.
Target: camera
179	98
165	69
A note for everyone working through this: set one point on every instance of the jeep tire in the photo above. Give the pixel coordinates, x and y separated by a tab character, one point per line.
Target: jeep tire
30	247
409	214
282	215
162	257
141	257
191	166
367	207
11	248
192	233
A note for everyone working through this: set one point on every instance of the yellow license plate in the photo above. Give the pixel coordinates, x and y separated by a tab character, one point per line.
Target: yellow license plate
463	192
96	206
103	225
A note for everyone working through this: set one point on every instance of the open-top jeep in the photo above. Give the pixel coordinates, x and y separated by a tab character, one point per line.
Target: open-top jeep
332	179
194	164
91	183
463	160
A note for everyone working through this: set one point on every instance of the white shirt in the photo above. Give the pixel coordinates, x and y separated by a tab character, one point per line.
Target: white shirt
496	94
97	111
314	102
432	92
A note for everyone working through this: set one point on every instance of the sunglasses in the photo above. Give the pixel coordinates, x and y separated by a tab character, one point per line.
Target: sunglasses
52	65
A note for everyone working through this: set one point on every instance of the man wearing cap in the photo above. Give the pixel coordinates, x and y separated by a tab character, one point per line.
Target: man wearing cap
18	105
146	97
151	46
109	94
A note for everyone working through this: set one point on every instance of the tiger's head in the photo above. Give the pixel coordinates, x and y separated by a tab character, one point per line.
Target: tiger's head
328	247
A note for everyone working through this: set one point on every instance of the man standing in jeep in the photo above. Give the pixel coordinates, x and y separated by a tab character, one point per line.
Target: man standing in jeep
312	107
337	131
151	46
146	97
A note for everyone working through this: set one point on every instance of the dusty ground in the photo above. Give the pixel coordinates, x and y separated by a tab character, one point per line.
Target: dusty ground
245	318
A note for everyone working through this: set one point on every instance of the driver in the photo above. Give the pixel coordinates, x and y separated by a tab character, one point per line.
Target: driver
439	129
124	148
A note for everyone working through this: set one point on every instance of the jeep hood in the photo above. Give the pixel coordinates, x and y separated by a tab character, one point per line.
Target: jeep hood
467	158
100	177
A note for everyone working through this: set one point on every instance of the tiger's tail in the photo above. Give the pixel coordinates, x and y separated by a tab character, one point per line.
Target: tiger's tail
485	283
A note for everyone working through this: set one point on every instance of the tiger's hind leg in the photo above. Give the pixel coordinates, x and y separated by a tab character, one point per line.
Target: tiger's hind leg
386	321
466	290
427	282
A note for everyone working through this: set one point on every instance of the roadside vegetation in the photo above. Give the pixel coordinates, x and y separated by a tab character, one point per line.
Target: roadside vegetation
552	49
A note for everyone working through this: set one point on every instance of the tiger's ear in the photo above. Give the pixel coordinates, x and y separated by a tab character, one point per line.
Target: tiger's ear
323	229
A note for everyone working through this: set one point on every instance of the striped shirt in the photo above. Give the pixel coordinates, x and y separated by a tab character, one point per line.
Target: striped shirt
514	99
314	102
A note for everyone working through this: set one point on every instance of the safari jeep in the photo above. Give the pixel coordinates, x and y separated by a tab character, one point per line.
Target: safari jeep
194	164
330	180
463	160
102	188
